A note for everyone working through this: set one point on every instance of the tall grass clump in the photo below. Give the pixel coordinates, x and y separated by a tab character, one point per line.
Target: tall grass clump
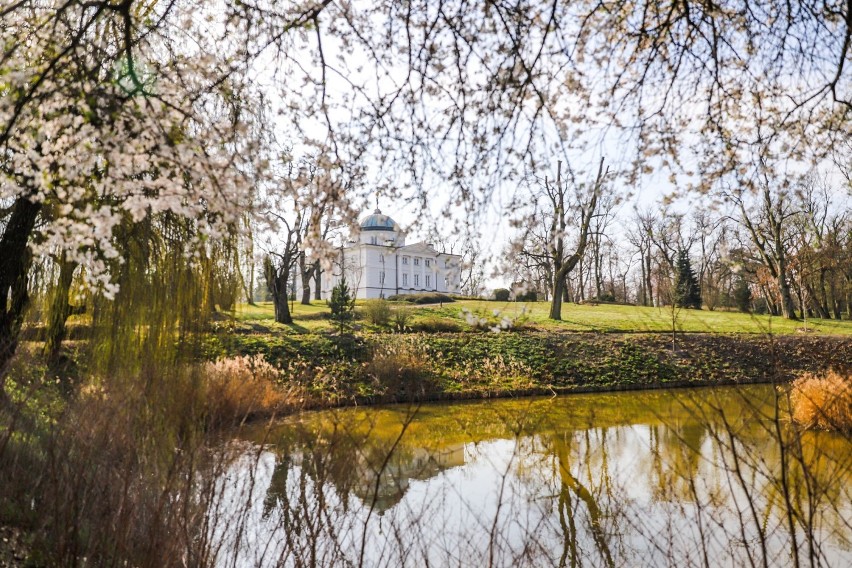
401	368
822	402
240	388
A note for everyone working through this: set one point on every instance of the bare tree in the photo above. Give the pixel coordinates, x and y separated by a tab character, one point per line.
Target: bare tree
555	213
766	219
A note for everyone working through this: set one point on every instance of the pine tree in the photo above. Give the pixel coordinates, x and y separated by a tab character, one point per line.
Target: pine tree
742	295
687	288
342	305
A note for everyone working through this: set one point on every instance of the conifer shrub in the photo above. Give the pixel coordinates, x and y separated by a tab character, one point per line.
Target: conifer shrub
687	289
342	306
742	295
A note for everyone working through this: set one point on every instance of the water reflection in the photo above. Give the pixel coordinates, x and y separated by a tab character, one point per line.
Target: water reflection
706	477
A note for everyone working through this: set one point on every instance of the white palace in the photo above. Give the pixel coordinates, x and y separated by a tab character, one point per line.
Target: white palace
379	264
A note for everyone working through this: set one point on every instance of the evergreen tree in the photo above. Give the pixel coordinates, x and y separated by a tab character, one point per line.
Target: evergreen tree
687	288
742	295
342	305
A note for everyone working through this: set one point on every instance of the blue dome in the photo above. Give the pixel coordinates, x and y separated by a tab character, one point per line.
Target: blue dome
378	222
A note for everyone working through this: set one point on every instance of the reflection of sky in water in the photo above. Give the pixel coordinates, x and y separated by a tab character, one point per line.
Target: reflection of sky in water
628	494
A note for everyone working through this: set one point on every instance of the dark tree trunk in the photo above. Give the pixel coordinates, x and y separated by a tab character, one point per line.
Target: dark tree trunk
317	280
277	279
788	308
60	309
556	302
649	290
280	297
15	262
306	274
282	306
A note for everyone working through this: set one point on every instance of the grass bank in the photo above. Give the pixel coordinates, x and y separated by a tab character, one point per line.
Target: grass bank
374	368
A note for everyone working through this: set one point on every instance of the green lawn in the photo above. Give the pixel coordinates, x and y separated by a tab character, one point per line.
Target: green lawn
614	318
600	318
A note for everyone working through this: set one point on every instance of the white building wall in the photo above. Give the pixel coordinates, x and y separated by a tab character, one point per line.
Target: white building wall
363	264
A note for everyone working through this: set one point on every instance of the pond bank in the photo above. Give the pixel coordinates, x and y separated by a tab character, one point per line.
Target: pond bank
385	368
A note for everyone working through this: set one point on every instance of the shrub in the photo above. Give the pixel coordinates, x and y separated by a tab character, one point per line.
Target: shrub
435	324
423	298
377	312
528	296
823	402
502	294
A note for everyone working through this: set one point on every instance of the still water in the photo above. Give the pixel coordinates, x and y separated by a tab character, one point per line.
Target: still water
703	477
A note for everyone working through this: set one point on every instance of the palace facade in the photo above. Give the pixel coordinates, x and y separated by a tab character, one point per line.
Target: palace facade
379	264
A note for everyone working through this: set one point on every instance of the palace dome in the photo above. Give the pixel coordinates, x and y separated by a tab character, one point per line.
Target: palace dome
378	222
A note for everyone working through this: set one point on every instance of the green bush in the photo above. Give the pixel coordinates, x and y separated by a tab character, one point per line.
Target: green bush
502	294
422	298
377	312
434	324
528	296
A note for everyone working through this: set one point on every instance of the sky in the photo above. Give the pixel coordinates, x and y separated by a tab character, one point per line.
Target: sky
490	223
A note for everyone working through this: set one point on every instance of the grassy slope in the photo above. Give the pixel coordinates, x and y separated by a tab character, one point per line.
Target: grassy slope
600	318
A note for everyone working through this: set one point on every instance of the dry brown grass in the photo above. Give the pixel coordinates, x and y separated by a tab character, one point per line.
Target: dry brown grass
239	388
822	402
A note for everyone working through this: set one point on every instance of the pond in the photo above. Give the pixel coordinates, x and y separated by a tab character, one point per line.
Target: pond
704	477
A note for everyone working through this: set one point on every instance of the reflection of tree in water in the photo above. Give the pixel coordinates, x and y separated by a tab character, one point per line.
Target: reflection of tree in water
569	507
675	449
356	465
608	485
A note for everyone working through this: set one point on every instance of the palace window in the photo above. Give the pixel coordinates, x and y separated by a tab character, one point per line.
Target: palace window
428	279
428	264
416	261
405	260
417	280
405	279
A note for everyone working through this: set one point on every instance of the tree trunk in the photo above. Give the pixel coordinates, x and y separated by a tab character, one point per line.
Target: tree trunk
649	289
825	306
15	262
317	280
556	302
281	299
306	274
276	281
60	309
282	308
788	308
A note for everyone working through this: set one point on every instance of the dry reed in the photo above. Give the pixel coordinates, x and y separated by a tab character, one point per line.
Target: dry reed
238	388
822	402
